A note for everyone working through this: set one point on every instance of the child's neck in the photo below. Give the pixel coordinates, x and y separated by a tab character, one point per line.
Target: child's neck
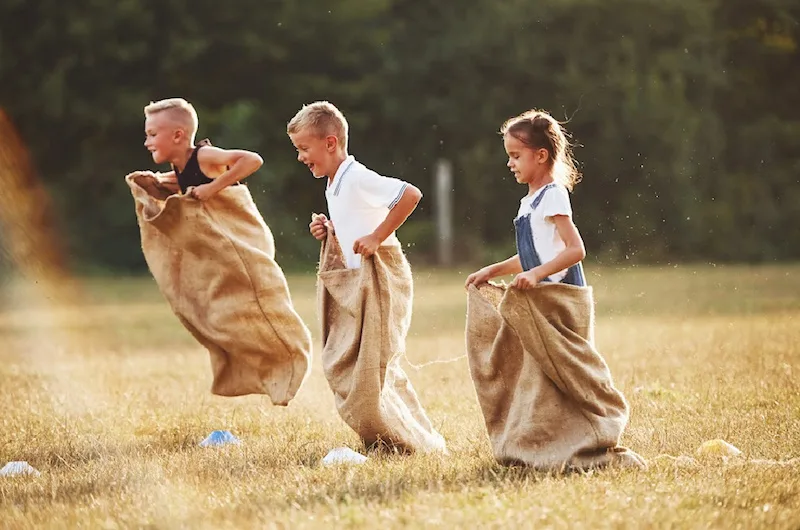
179	161
337	163
538	182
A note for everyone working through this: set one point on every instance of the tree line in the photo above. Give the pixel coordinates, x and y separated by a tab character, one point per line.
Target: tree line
685	114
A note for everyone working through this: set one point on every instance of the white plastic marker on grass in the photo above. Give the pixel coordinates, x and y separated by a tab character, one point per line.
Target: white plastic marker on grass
717	449
13	469
343	455
217	438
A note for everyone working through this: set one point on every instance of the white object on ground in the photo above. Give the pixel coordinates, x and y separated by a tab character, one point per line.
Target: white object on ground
343	455
13	469
717	449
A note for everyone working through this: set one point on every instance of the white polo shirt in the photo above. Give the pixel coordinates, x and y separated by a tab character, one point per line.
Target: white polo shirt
358	201
546	240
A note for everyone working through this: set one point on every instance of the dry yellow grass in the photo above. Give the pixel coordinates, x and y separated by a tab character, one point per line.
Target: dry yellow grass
110	399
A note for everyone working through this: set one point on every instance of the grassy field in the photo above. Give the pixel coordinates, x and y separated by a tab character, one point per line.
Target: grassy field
110	399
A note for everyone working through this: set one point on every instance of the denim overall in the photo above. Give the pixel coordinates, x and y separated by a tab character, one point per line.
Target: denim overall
527	250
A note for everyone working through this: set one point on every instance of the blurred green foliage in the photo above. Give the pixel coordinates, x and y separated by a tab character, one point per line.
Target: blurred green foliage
686	113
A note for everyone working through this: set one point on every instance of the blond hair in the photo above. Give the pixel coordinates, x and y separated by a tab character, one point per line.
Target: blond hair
538	130
179	111
322	119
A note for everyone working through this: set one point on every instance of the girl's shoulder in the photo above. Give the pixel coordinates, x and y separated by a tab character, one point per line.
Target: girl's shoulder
552	192
556	202
561	191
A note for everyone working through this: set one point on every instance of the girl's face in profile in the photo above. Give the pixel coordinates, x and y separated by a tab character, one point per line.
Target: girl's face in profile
528	164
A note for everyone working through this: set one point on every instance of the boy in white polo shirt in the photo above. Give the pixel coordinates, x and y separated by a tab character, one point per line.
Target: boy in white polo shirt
365	208
365	291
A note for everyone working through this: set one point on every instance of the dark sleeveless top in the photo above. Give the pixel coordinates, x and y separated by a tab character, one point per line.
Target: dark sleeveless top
192	175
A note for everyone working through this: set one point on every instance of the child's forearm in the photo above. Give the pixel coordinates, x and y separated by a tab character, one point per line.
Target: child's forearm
168	181
398	215
564	260
510	266
169	176
242	168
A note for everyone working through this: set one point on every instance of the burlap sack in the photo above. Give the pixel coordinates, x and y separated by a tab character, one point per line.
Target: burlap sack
214	263
546	394
365	315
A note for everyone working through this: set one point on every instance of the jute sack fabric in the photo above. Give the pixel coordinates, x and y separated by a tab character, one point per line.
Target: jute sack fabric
366	314
214	263
546	394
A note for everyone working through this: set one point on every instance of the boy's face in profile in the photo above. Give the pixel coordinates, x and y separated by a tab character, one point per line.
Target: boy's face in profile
162	137
316	152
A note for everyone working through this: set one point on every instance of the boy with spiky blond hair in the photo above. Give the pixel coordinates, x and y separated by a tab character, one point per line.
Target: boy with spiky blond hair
202	170
212	256
365	285
365	207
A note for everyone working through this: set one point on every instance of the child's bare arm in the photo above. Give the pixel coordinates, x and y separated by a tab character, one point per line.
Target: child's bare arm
510	266
398	215
169	177
214	161
169	181
368	245
572	254
160	185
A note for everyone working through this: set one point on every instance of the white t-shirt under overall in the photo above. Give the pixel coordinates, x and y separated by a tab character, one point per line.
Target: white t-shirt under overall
358	201
546	240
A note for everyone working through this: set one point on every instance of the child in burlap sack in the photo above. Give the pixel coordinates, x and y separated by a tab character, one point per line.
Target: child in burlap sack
365	287
212	256
546	394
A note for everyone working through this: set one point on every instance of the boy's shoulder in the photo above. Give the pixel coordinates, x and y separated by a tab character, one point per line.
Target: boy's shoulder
361	169
360	173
